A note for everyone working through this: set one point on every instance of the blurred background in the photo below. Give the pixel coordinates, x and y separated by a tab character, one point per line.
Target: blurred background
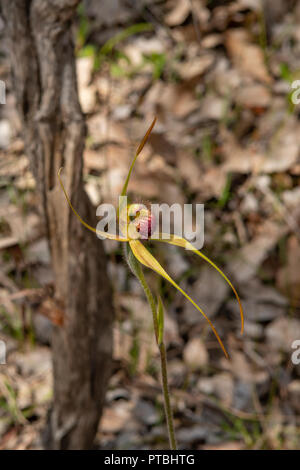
218	75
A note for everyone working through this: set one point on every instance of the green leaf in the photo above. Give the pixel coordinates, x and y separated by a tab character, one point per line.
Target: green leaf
158	62
126	33
87	51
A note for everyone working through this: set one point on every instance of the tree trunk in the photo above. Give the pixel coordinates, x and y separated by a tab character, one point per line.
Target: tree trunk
44	80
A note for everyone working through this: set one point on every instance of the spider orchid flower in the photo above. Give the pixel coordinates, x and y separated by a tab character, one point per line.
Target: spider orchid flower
144	225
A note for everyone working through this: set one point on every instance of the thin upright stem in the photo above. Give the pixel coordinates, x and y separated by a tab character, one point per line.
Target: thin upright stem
166	392
151	302
138	272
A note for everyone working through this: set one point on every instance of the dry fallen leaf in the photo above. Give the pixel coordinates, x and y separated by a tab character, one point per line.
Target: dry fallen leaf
195	354
210	298
246	56
253	96
221	385
261	302
194	67
288	277
280	155
116	417
178	13
246	262
282	332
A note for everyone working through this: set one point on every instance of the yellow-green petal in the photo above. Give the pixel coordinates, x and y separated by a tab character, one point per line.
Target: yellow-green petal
179	241
146	258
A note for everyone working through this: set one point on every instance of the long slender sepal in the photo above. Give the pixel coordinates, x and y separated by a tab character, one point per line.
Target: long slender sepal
98	232
145	257
140	148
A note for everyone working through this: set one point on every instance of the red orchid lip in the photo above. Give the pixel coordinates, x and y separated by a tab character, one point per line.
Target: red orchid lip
145	225
143	220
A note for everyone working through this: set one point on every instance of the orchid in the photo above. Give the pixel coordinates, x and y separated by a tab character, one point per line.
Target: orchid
135	234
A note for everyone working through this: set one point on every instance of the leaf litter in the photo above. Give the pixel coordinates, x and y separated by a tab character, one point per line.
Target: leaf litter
227	137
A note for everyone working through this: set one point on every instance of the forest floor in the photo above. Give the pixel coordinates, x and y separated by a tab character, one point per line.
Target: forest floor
219	79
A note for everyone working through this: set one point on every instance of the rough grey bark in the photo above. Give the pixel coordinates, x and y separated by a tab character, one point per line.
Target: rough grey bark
44	81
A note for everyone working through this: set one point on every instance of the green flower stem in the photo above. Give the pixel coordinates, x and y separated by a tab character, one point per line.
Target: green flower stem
137	270
150	299
168	408
163	362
